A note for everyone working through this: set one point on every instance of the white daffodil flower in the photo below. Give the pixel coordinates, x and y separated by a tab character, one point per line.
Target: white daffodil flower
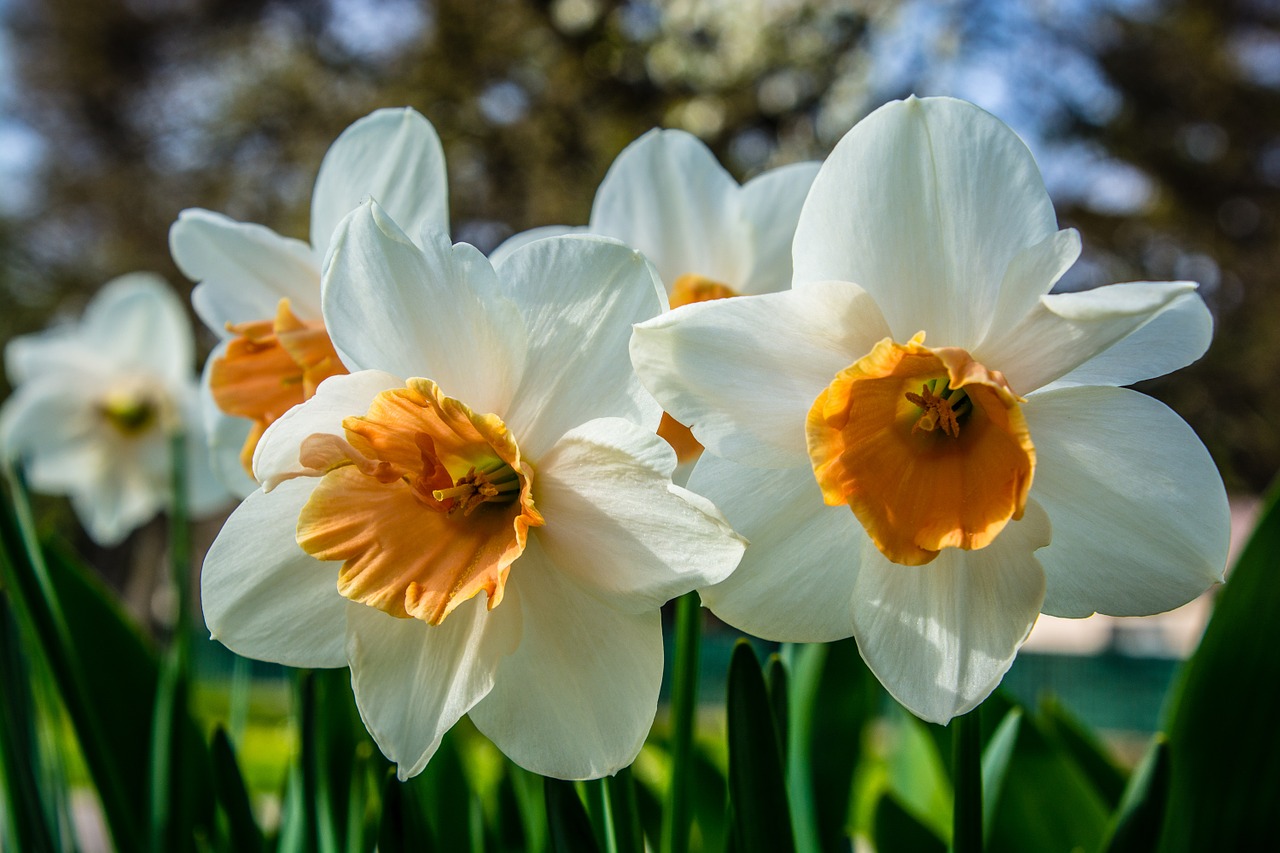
96	402
708	236
921	374
491	437
260	292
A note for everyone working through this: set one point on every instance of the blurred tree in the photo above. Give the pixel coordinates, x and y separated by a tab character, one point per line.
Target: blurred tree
1199	117
140	108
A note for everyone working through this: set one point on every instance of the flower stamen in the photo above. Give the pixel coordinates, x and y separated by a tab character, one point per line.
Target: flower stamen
940	410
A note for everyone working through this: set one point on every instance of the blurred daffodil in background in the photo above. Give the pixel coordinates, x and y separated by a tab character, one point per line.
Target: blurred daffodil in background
97	402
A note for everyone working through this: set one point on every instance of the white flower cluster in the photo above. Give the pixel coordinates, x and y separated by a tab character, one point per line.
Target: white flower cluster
923	446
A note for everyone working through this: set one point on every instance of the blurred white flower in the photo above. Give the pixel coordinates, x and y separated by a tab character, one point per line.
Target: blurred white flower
96	403
260	292
927	448
526	467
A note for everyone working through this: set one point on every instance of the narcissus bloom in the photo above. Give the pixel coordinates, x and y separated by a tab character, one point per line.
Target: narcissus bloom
479	519
708	236
925	447
95	405
260	292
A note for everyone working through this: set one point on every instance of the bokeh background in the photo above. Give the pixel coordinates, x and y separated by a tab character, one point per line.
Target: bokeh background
1156	123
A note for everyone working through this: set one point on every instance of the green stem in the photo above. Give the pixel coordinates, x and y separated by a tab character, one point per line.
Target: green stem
966	777
180	548
684	706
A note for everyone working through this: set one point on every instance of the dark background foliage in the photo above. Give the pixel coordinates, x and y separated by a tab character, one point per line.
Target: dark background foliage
1156	123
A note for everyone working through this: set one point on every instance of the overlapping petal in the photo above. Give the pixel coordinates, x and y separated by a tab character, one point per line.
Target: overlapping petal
266	598
770	206
339	397
926	226
578	295
940	637
1065	330
379	285
243	270
796	579
1172	338
412	681
1140	517
744	372
577	697
393	156
668	196
617	526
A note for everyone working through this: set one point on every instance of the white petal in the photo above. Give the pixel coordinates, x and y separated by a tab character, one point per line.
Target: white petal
59	349
393	155
1140	517
1173	338
770	205
743	372
49	416
120	499
413	681
266	598
579	297
433	311
205	491
225	436
796	579
276	457
136	324
941	636
618	527
924	203
1065	330
1031	274
667	196
243	270
577	698
515	241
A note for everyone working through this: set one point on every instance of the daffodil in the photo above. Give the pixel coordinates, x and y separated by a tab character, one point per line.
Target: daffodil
479	519
260	292
96	403
708	236
924	445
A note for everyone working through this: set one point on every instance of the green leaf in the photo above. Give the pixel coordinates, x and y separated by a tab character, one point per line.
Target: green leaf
445	796
403	827
833	698
1136	826
30	821
38	596
898	831
568	827
1057	723
243	831
995	765
527	790
626	814
761	813
918	776
1047	803
1225	771
776	678
684	705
